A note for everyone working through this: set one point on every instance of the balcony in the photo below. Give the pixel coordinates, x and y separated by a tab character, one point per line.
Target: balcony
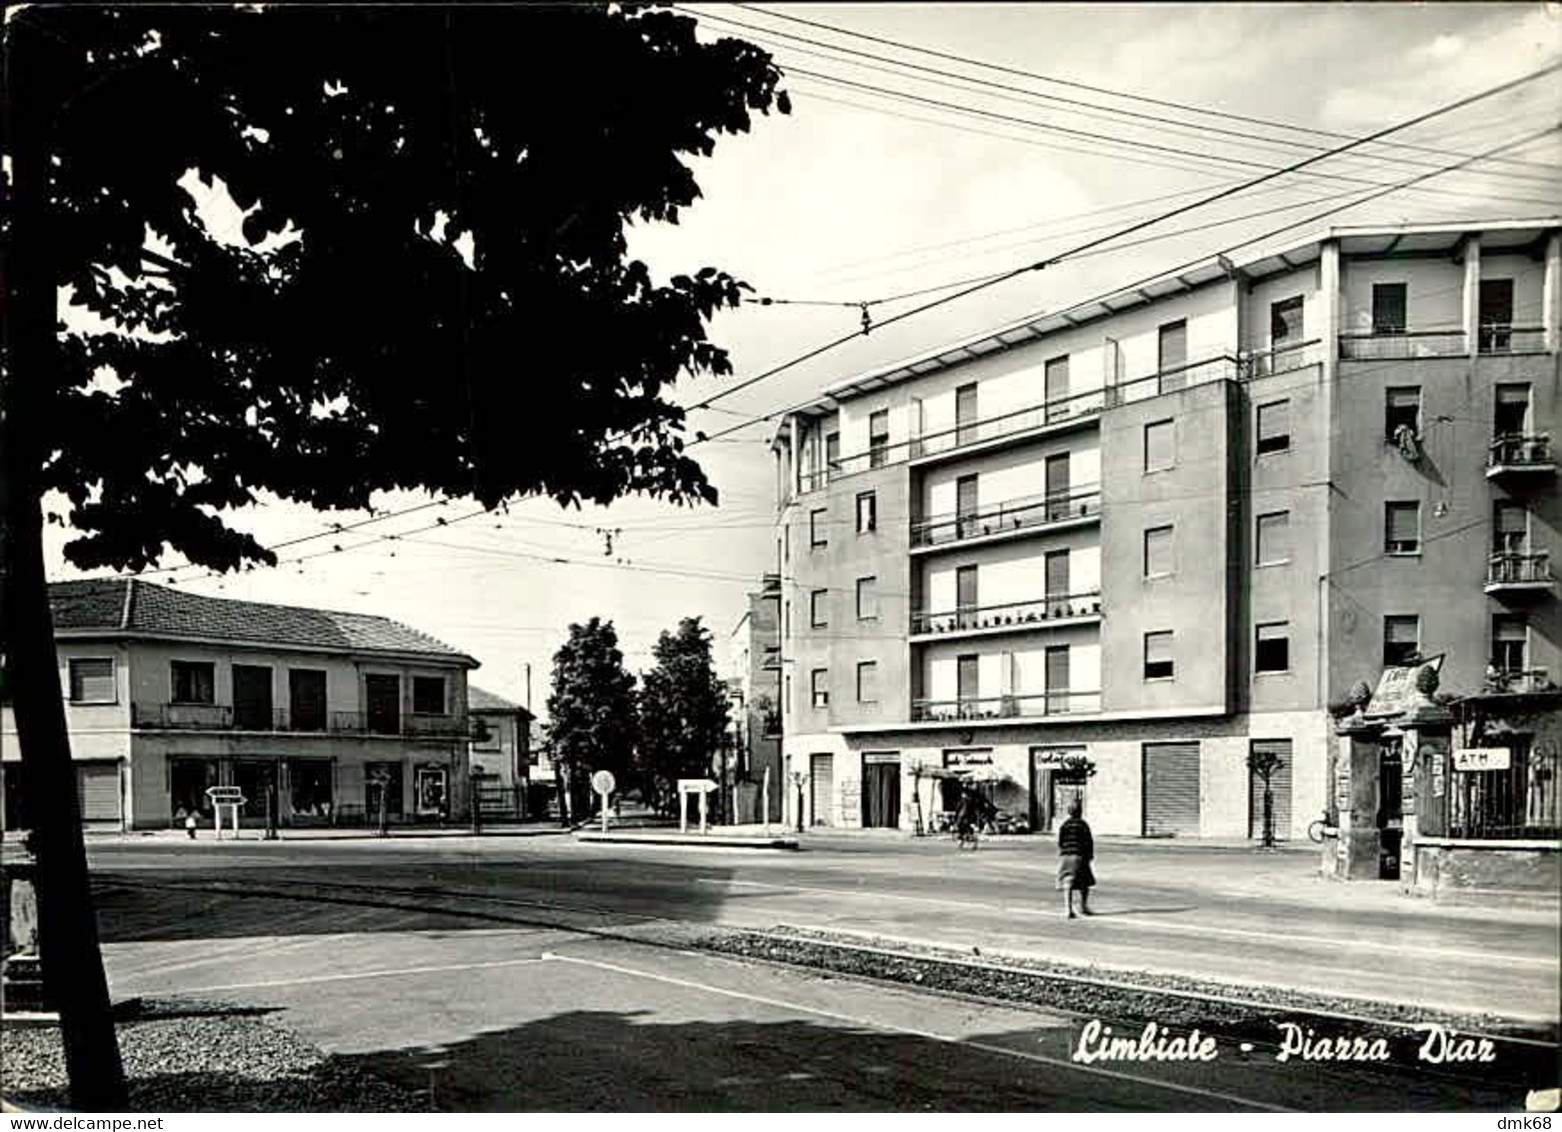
1009	518
1058	414
1501	338
1017	616
1517	681
1038	706
1403	344
225	717
1520	455
1512	573
1282	359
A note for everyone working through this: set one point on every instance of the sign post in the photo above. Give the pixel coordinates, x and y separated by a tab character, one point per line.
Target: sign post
767	802
231	797
702	787
603	783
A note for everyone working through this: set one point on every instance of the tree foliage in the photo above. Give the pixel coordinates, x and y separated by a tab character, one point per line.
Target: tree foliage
591	710
431	255
683	708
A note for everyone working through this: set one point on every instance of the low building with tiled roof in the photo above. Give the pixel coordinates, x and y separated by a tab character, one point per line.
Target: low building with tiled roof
501	754
316	716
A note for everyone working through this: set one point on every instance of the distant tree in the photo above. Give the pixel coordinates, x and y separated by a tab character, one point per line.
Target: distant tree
683	710
591	709
428	290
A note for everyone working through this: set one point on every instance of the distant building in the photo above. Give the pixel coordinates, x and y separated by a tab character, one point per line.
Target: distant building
169	693
755	648
501	751
1120	547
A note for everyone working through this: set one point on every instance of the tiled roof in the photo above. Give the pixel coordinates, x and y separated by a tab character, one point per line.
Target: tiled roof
136	607
478	699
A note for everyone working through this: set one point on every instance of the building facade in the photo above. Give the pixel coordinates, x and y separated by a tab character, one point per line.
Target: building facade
754	647
500	753
1118	549
320	715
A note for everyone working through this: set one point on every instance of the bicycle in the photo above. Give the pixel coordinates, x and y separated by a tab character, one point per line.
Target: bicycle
1319	828
967	837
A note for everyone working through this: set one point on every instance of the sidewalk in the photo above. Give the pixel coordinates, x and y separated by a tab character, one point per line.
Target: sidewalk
205	835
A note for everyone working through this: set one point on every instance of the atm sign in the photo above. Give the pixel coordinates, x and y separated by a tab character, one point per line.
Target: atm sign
1483	758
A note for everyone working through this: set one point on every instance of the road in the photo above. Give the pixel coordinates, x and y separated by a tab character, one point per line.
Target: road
528	991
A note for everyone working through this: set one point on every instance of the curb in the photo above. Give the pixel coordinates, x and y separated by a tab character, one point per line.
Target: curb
695	840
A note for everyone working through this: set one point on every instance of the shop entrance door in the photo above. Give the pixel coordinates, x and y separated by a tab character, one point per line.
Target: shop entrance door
881	790
822	779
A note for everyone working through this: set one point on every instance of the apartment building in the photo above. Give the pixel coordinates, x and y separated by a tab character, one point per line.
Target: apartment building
754	649
168	693
1117	549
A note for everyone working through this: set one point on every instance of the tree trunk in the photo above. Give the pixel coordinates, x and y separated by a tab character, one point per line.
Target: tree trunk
67	927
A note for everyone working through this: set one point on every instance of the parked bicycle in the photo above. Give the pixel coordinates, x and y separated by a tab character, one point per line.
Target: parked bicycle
1319	829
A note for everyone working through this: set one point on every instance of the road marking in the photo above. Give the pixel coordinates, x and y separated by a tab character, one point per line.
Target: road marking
865	1023
266	946
366	975
1130	920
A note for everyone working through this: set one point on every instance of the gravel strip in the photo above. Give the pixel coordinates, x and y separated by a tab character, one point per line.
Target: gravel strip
182	1055
1138	995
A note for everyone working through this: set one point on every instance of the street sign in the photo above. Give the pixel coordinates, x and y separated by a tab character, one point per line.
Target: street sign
1483	758
603	782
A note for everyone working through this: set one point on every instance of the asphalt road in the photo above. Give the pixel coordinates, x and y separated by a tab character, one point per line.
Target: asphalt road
510	998
1226	914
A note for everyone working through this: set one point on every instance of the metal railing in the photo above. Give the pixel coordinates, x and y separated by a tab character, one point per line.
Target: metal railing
1060	410
1512	569
1011	615
1014	514
1519	451
1282	359
1520	802
1035	706
182	717
1517	681
227	717
1379	346
1502	338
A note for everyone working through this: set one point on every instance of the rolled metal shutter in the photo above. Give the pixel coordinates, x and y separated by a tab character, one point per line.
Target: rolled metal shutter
1279	786
823	787
1171	789
97	786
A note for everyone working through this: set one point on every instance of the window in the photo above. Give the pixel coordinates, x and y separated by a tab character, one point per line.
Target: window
1402	528
965	414
868	682
1402	409
878	438
1158	655
1272	647
867	599
966	506
1056	387
818	527
1274	538
1401	638
92	680
819	609
786	620
819	684
428	695
195	682
1496	315
1285	321
1158	552
832	452
1160	446
1509	642
1388	308
1510	529
1510	416
968	679
306	699
1274	427
1172	354
867	512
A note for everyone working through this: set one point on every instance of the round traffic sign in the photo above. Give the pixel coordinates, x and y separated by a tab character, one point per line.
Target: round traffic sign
603	782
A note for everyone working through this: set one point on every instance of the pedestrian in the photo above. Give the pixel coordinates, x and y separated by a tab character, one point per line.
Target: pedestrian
1076	851
189	826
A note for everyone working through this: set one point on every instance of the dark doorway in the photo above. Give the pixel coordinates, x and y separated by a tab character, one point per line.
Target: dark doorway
378	777
382	696
187	783
881	790
1053	785
252	697
257	781
1496	315
306	699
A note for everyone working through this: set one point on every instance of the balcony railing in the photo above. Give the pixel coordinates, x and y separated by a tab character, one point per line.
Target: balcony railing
1500	338
1012	615
1015	514
225	717
1403	344
1520	453
1282	359
1035	706
1060	410
1517	681
1511	569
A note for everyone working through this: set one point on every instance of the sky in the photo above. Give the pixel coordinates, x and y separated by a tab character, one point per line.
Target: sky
899	171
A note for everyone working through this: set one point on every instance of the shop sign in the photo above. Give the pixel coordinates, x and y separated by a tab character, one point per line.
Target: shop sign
1057	757
880	757
979	757
1397	687
1483	758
